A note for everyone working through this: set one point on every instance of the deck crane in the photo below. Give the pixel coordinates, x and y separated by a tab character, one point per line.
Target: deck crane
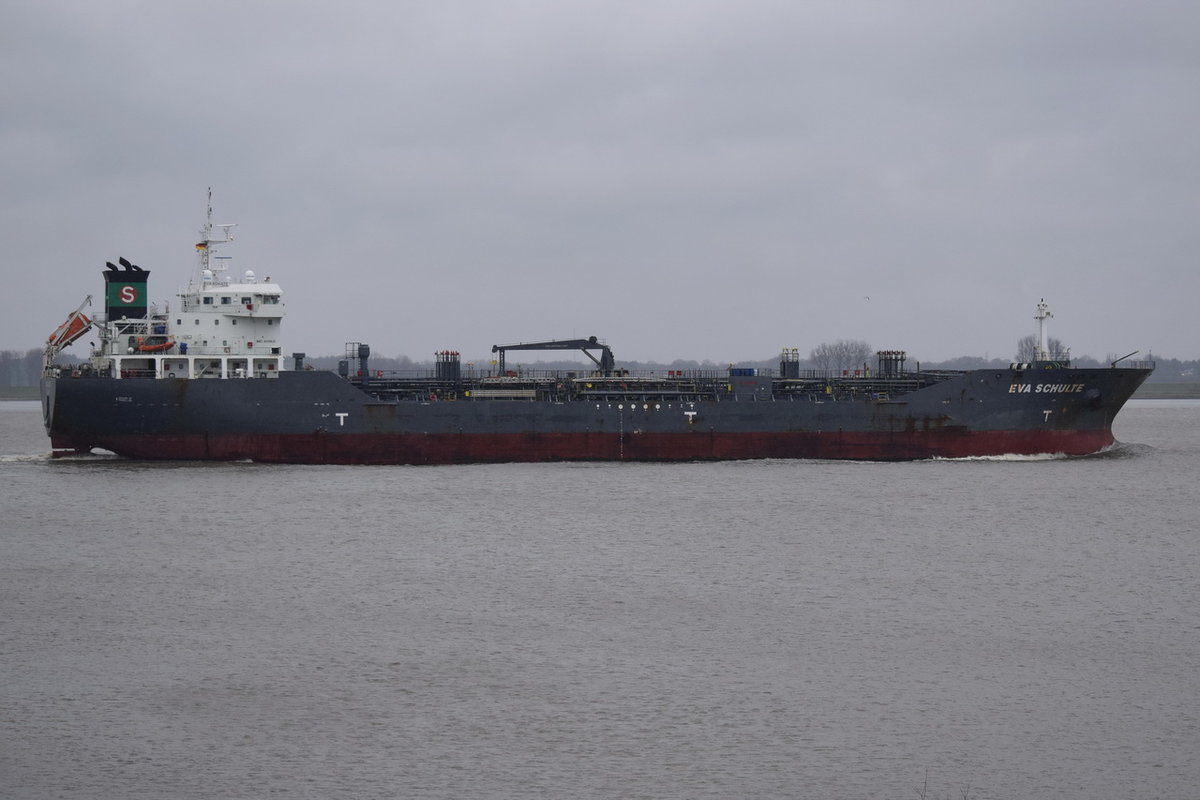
604	362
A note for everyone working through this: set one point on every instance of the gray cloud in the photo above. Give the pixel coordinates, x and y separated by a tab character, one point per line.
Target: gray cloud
686	179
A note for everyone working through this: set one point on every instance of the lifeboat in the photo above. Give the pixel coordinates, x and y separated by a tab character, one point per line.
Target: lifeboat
154	344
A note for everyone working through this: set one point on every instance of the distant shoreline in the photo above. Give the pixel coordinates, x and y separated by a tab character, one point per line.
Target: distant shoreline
1181	390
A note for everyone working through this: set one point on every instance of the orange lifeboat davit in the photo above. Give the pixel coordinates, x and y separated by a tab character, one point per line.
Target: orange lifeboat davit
75	326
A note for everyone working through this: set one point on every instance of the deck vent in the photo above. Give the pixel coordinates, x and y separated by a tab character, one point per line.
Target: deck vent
891	362
447	367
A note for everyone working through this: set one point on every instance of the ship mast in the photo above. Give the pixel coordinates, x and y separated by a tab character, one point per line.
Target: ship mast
204	246
1043	313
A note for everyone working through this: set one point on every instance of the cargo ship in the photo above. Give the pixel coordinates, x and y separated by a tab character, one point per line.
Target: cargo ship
206	378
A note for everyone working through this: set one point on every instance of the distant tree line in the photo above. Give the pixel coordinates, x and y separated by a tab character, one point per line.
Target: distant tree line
1027	349
20	369
385	363
842	355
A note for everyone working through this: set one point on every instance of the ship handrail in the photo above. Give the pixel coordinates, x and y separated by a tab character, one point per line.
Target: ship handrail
545	376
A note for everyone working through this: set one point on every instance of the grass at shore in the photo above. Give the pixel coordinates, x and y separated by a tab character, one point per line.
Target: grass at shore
1183	390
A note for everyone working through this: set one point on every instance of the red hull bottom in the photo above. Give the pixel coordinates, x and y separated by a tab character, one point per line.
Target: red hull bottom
540	447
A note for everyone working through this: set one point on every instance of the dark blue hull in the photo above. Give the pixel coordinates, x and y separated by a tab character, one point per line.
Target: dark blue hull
318	417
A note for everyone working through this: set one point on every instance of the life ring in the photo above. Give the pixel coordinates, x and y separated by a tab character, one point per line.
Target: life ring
226	349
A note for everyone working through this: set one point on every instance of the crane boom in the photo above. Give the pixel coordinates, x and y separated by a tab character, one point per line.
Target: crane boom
605	362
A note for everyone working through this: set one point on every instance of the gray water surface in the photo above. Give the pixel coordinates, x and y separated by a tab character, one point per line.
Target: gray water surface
996	628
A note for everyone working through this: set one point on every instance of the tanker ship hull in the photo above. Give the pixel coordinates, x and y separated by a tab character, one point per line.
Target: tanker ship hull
321	418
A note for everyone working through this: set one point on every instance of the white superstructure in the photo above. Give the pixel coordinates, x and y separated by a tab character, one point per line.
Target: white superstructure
222	327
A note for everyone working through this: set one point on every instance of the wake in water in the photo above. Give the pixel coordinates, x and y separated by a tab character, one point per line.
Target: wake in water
1124	450
23	457
1006	457
1115	450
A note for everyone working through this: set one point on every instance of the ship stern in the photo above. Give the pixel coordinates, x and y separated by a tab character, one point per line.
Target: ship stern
62	442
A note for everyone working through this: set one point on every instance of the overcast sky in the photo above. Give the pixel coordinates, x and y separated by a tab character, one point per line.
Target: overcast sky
684	178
